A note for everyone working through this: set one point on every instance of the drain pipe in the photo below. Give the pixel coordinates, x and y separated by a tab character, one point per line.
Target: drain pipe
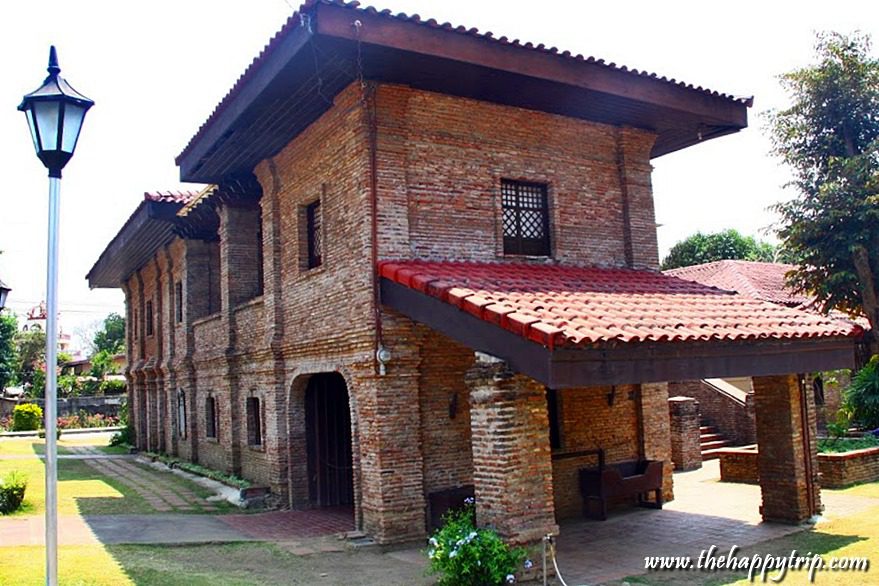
807	447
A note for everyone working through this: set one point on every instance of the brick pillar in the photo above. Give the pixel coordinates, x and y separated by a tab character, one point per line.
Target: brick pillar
686	452
787	467
388	423
655	434
512	466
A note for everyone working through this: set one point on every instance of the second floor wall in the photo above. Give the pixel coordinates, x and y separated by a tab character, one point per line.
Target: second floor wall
296	265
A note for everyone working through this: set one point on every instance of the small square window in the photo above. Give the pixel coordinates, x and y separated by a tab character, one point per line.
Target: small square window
314	234
525	218
254	422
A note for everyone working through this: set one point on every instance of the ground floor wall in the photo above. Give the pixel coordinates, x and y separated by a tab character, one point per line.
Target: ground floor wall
411	429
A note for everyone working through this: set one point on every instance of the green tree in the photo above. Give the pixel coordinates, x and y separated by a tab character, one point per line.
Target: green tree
729	244
111	337
31	350
829	138
8	354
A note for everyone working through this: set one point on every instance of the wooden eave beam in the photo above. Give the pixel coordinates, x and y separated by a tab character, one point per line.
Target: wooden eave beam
376	29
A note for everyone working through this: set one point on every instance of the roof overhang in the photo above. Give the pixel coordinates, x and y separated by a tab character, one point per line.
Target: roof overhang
149	228
315	56
621	363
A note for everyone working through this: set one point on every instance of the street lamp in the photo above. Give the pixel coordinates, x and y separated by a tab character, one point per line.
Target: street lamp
55	112
4	293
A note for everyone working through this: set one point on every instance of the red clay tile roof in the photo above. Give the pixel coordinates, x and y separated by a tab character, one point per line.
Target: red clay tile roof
580	306
760	280
183	197
295	20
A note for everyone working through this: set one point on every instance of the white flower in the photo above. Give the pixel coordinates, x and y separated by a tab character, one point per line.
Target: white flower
472	536
431	553
433	541
511	579
454	553
529	564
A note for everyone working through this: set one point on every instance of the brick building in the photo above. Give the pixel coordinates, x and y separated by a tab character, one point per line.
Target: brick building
427	260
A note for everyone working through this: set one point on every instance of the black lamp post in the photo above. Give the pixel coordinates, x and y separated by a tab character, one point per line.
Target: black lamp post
55	112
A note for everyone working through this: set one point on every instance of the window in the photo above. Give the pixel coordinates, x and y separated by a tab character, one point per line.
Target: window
211	418
525	218
552	406
254	423
314	234
149	318
178	302
134	324
260	270
181	414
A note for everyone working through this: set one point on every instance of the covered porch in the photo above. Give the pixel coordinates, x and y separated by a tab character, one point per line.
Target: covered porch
605	341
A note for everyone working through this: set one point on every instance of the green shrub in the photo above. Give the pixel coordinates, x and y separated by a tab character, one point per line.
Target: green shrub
123	437
846	444
27	417
466	556
112	387
862	397
12	488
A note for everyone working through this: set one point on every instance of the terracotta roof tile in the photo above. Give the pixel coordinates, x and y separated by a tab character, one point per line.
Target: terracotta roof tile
295	20
577	306
760	280
183	197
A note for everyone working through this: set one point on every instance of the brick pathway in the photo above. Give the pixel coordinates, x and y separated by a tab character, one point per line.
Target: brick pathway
292	525
162	492
705	512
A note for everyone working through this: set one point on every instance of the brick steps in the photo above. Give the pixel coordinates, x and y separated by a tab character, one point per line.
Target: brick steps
711	442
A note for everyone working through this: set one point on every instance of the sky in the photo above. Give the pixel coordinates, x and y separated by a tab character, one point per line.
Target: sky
157	69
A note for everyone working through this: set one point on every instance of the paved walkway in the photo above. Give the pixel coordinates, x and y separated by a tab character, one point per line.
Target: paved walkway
705	512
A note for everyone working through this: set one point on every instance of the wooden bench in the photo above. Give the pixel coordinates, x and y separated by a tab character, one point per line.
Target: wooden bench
624	479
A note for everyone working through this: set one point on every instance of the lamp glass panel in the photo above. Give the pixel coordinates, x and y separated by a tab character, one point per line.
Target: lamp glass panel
47	123
32	124
4	292
73	115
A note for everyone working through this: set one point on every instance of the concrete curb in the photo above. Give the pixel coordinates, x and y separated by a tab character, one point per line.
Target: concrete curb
73	431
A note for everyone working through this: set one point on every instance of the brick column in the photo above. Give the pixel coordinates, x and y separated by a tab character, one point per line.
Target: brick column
512	466
787	465
686	452
655	434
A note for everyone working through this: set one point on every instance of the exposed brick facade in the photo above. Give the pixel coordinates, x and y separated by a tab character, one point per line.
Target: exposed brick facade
733	418
837	470
420	428
686	452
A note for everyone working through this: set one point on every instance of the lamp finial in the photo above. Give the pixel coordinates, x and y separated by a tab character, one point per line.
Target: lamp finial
53	68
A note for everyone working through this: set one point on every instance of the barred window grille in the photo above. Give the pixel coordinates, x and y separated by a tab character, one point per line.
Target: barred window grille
525	218
149	318
254	422
178	302
314	232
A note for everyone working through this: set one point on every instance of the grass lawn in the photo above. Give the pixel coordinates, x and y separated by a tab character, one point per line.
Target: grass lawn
234	564
82	490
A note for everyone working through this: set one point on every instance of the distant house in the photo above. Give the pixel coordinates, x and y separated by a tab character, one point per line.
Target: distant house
426	265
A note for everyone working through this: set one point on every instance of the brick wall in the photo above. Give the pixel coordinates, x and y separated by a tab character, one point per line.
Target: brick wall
686	452
841	470
731	417
739	465
589	422
438	157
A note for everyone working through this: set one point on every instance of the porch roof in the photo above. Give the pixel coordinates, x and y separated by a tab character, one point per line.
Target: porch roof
573	326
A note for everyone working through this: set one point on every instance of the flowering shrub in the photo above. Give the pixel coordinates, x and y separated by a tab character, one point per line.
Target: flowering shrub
27	417
466	556
83	419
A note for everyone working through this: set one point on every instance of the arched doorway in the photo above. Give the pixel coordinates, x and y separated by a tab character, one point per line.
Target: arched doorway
328	441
